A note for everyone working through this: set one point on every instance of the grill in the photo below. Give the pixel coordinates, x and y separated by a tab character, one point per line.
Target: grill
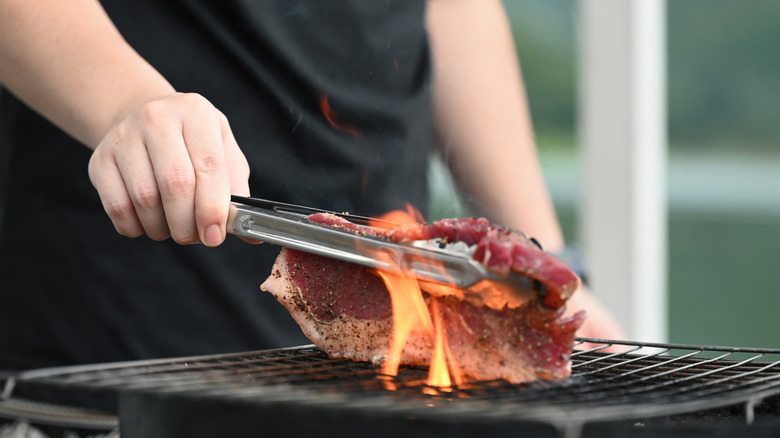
641	387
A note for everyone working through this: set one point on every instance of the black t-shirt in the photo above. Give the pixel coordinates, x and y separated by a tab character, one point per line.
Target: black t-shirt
330	103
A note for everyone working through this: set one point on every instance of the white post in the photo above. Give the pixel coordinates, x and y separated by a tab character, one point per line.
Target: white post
623	140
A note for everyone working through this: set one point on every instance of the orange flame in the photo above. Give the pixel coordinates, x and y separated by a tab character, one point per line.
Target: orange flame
333	119
392	219
443	364
411	315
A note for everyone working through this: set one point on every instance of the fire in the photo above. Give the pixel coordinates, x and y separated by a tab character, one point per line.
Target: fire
440	373
412	314
411	216
333	119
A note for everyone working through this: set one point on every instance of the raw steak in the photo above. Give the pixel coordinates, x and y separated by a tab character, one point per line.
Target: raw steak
345	309
497	248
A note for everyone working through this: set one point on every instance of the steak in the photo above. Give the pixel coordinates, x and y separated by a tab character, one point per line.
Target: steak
499	249
346	309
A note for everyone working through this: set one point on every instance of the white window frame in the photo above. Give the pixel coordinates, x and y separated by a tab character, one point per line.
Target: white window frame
622	135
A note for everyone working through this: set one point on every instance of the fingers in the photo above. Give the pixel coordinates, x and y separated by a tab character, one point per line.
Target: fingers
140	184
167	170
599	322
174	177
108	181
212	190
239	175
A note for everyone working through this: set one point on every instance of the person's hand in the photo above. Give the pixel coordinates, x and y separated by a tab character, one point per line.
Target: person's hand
168	168
599	322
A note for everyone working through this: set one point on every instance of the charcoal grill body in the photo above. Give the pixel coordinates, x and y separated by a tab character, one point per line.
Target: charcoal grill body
644	390
153	416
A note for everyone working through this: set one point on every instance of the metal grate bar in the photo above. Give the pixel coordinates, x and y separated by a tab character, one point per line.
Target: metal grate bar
224	373
639	380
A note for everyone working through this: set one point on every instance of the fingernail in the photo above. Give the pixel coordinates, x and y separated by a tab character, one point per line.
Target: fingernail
212	236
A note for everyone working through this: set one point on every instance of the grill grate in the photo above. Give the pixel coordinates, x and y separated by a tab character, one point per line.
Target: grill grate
639	380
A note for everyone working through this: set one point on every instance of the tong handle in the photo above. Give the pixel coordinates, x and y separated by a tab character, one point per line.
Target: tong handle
288	227
294	231
282	207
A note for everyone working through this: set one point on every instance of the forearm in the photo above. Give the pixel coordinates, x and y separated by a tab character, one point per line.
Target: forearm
164	164
66	60
482	118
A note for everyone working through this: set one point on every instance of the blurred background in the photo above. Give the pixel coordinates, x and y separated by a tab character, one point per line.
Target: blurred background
723	94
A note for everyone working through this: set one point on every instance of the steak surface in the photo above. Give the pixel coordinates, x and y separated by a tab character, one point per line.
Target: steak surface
499	249
346	309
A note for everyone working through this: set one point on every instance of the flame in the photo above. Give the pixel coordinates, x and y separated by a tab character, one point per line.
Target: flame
398	218
411	314
333	119
443	364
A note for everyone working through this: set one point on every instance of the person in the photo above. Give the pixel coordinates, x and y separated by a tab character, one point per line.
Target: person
154	112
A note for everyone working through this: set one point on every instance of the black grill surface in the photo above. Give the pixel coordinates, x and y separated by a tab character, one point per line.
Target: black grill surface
302	385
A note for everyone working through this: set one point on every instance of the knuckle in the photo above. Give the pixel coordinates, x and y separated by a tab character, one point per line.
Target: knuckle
209	163
146	197
119	208
194	102
120	133
193	98
152	110
223	120
161	109
99	160
178	182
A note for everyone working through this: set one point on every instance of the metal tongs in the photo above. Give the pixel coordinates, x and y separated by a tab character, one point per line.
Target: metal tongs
432	263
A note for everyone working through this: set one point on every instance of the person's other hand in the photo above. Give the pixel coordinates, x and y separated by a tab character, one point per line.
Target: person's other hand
168	168
599	322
